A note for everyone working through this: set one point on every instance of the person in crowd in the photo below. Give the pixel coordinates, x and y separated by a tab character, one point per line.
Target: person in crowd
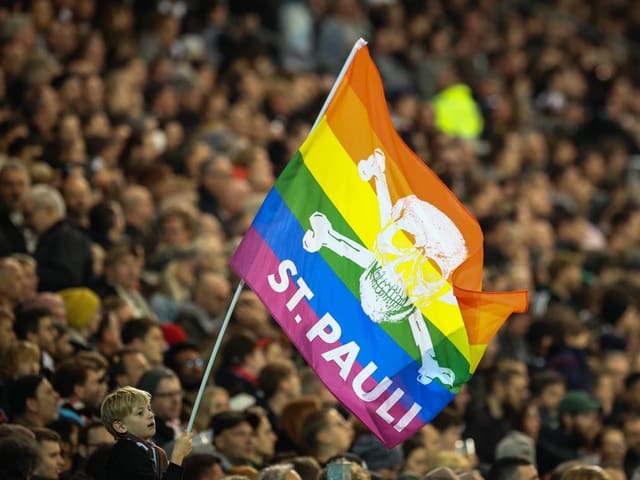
265	438
214	400
241	361
33	402
568	354
611	447
68	430
326	433
184	359
81	381
251	315
415	458
234	437
127	367
631	429
51	463
108	336
19	455
30	274
579	425
512	468
145	335
167	394
92	436
202	316
14	182
279	383
507	393
78	197
36	326
202	466
82	307
382	461
585	472
292	419
50	301
127	414
175	287
122	271
12	292
139	210
21	359
63	253
548	388
7	332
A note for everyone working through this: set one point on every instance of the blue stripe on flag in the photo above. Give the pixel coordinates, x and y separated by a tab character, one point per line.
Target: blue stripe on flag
282	232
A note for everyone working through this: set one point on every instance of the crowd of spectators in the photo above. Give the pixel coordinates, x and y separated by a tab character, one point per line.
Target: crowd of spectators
137	140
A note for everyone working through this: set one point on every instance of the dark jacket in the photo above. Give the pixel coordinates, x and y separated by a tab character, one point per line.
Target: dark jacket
234	382
11	237
132	460
555	447
487	431
64	258
572	364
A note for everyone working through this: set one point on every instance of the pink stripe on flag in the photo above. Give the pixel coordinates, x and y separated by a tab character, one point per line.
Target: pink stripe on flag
253	249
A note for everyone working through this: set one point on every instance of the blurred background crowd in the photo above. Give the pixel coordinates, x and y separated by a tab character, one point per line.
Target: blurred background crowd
139	137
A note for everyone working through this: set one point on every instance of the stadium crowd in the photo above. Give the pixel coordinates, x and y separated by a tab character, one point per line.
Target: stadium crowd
138	138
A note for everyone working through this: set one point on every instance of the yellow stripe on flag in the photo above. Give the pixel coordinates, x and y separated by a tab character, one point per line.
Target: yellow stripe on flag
358	205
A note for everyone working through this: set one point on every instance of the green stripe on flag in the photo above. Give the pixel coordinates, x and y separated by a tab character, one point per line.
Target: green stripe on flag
304	196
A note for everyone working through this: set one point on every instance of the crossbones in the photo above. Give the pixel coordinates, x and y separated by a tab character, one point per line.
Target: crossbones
385	292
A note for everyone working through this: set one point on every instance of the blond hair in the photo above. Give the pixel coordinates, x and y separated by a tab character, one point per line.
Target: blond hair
18	352
120	403
585	472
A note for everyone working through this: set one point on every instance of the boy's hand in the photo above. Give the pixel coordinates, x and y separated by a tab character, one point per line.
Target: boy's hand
182	448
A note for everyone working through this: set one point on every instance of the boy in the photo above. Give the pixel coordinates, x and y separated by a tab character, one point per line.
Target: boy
127	414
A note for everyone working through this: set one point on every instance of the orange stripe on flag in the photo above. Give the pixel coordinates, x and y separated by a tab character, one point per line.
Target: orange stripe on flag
361	122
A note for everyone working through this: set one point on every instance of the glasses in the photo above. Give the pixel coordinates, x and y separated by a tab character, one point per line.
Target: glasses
338	423
177	393
198	362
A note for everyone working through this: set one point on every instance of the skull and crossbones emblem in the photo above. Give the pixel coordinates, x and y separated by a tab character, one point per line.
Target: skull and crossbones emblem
399	280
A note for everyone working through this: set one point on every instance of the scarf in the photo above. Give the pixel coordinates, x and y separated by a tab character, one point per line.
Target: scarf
156	455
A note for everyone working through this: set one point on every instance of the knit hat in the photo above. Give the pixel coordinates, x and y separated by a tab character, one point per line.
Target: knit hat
81	304
151	378
516	444
375	454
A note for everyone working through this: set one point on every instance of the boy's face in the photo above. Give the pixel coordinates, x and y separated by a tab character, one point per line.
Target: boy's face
140	422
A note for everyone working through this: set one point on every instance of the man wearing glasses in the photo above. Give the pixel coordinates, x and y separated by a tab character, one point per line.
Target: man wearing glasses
166	402
184	359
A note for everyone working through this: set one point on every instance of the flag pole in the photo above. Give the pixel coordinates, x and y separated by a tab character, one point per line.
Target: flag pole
357	46
214	354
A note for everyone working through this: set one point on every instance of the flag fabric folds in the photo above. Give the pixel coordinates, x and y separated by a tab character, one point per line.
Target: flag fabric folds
372	266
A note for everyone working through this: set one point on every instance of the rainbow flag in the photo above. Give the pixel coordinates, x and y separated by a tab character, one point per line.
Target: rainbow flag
372	266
